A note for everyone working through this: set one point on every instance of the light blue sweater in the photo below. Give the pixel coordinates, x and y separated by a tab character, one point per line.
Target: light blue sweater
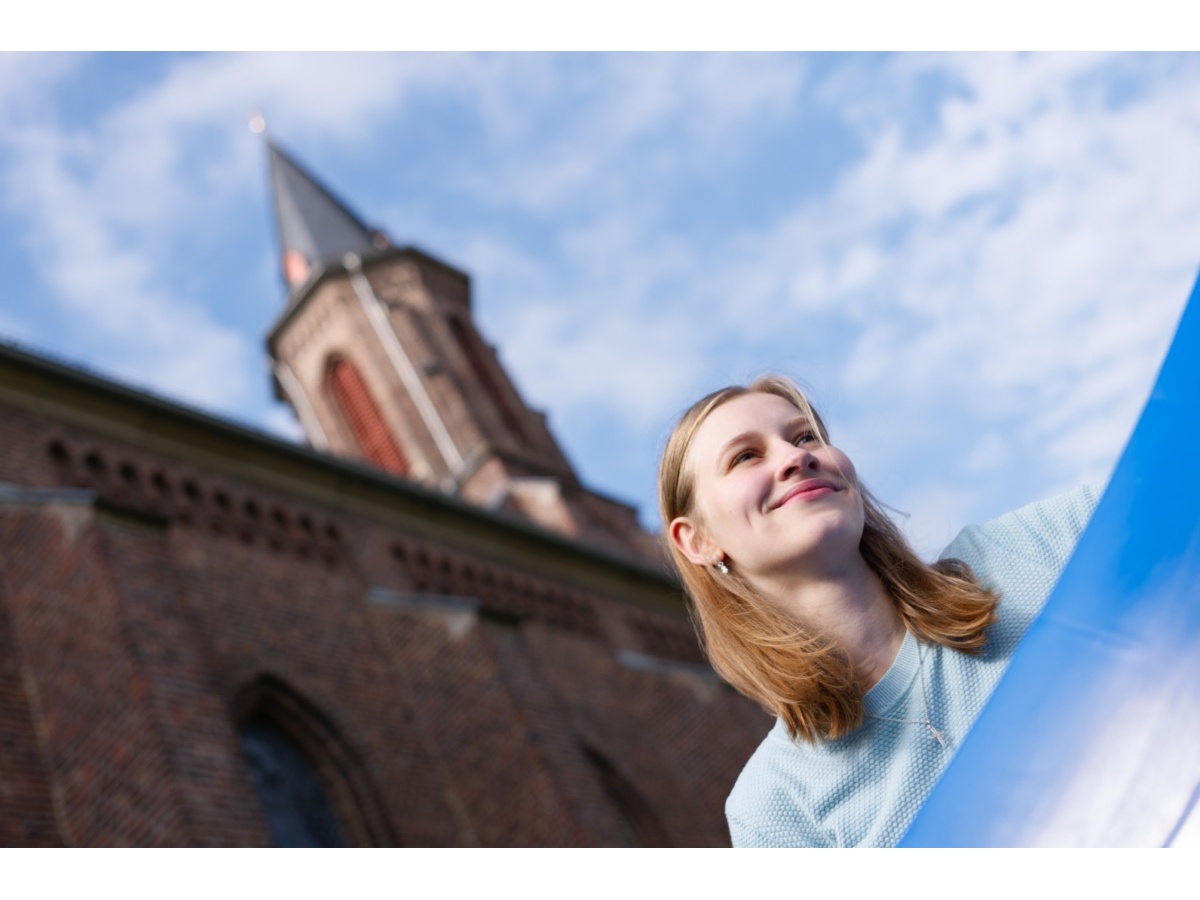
865	789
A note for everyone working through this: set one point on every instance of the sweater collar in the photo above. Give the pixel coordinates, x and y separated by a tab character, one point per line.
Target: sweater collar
897	681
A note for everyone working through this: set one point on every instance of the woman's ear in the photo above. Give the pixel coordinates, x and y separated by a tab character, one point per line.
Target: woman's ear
692	542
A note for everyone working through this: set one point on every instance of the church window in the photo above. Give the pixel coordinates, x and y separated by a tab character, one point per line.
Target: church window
362	416
298	810
314	789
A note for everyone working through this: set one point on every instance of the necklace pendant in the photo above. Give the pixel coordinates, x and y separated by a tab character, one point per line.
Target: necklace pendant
938	736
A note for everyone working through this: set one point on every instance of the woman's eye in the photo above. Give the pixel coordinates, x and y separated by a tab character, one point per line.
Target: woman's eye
741	457
804	437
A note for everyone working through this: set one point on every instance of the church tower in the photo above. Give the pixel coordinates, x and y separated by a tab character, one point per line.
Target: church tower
378	355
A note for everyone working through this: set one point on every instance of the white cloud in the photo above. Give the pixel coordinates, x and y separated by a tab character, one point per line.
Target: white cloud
103	205
983	284
606	126
25	76
627	365
1002	278
110	294
1025	260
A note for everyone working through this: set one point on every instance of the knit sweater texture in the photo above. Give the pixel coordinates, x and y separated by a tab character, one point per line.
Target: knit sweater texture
863	790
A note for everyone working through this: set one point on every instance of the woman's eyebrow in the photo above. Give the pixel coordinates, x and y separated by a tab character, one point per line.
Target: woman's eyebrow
800	422
791	424
734	442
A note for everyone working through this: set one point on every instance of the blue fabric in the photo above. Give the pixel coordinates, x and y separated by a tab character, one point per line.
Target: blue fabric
865	789
1093	739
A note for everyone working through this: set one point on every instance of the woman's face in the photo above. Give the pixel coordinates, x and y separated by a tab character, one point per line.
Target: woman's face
769	497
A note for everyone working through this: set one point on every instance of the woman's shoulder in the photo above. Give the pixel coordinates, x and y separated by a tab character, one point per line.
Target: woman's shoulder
775	755
1043	533
1021	555
762	808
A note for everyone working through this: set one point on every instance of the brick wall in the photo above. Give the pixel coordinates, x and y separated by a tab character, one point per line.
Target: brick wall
447	696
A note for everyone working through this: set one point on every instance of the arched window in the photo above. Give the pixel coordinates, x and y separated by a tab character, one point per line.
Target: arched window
299	812
314	790
647	830
371	433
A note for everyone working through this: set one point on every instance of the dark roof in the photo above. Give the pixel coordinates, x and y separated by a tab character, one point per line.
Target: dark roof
312	221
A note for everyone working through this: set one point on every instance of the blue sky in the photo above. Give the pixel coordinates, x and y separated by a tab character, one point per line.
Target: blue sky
975	262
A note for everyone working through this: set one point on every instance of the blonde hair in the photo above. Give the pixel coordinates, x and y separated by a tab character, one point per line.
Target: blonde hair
804	678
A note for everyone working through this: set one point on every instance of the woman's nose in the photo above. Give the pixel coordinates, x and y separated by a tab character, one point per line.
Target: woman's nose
795	458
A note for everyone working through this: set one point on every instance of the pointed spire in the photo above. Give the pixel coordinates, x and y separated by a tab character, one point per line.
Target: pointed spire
315	228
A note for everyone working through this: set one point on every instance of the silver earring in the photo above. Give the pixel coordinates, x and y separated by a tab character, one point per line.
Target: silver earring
722	567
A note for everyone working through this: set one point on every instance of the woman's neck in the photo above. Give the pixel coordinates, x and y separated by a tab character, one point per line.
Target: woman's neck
854	609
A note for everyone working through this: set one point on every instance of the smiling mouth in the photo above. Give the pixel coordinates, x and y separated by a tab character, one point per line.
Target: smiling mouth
807	490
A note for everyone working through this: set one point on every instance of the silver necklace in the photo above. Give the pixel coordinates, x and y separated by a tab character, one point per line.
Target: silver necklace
934	733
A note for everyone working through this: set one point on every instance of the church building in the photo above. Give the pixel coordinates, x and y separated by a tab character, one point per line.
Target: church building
420	629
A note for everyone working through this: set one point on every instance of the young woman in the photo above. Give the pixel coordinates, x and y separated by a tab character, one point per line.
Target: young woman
810	601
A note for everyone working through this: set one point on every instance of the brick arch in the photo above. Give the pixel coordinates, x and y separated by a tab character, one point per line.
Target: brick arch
269	710
635	810
361	414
